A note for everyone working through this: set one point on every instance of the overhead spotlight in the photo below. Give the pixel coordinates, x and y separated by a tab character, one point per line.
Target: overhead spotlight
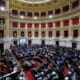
2	8
21	17
50	16
35	17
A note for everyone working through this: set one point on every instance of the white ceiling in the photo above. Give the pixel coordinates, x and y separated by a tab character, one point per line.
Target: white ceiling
34	1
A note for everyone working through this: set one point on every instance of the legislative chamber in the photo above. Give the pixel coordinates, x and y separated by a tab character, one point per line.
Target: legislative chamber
39	39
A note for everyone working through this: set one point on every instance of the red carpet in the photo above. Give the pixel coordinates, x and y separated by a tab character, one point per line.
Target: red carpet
29	75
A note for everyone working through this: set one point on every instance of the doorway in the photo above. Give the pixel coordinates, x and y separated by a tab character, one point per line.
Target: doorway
57	43
1	47
1	44
74	45
29	42
1	33
43	42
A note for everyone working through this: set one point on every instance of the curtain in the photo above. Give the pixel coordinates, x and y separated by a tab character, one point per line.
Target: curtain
43	25
50	25
36	25
75	21
15	24
57	24
29	25
66	22
22	25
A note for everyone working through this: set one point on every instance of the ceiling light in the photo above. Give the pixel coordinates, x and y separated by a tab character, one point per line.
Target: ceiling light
50	16
21	17
35	17
2	8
